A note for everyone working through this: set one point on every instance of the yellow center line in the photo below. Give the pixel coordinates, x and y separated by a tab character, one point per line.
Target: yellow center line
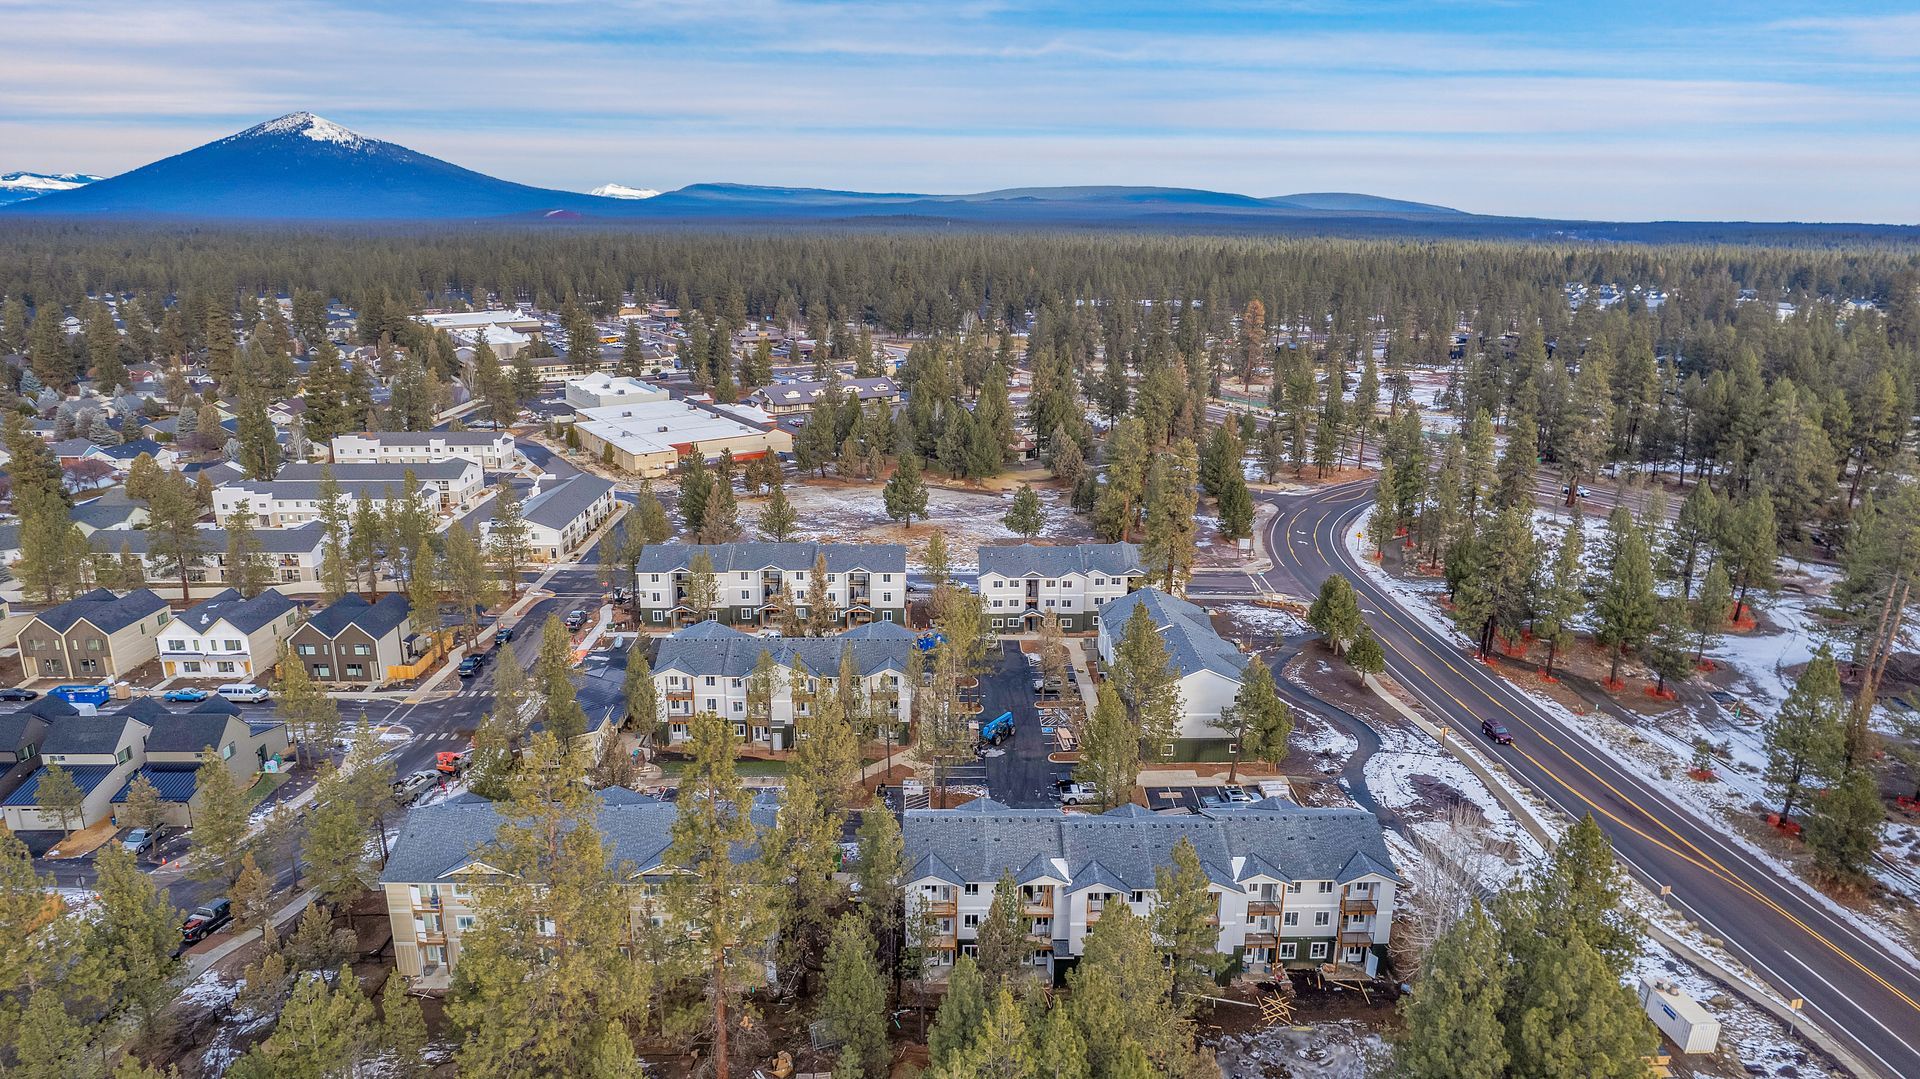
1704	860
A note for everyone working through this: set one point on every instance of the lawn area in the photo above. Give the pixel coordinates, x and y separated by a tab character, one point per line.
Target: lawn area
265	785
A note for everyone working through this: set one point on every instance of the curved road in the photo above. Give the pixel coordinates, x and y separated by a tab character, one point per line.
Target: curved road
1853	986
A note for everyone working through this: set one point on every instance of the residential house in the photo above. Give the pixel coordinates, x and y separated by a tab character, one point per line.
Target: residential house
492	451
1208	666
99	751
21	735
294	557
438	865
560	518
228	637
353	642
114	510
94	636
709	668
123	455
866	582
176	740
1023	584
786	398
1291	886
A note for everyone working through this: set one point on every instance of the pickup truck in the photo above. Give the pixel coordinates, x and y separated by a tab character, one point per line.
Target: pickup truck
1076	794
204	921
997	730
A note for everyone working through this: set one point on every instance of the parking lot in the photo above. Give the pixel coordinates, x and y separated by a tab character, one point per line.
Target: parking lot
1017	771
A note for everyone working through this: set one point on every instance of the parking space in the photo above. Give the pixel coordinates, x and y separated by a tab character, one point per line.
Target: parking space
1017	771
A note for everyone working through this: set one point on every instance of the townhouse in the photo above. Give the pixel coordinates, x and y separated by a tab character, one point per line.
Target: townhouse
94	636
1292	886
227	636
561	517
866	582
709	668
294	498
1207	665
99	752
492	451
21	734
175	741
294	557
438	867
353	642
1022	584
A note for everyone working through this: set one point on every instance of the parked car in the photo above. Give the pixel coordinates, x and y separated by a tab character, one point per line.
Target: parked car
503	635
470	666
245	693
1075	794
451	762
140	841
1497	731
204	921
1237	795
18	693
576	618
187	695
408	787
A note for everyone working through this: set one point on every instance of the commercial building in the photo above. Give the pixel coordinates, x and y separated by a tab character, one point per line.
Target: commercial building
648	438
1023	584
507	332
492	451
1291	886
786	398
601	390
708	668
1208	666
755	582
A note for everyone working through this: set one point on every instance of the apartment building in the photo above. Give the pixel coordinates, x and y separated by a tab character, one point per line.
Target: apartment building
866	582
438	866
492	451
561	517
458	480
228	636
1023	584
293	556
1294	886
709	668
1208	665
295	498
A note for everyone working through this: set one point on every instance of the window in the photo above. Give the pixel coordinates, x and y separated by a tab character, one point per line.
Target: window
225	666
1289	950
355	670
999	623
1323	917
970	889
739	706
712	681
1290	918
226	752
1293	887
1326	887
362	650
1136	897
176	646
190	666
125	755
233	646
740	730
322	671
463	922
1317	950
970	921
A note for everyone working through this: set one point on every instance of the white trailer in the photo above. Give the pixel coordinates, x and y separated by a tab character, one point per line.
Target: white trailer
1685	1023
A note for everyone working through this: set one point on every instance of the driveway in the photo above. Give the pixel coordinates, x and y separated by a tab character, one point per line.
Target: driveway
1018	773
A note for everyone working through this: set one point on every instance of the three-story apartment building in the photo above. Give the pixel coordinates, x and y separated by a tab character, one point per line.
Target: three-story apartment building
492	451
710	668
866	582
1023	584
1295	886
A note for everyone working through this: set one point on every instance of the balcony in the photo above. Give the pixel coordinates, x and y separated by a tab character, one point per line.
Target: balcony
1264	906
1262	938
1359	905
1039	907
679	694
1356	935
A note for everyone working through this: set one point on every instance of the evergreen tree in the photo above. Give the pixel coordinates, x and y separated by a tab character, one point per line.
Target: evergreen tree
1236	509
1003	935
403	1029
1185	922
175	541
562	713
1145	680
961	1010
1452	1021
1024	516
509	540
905	494
1560	599
247	568
1366	656
1627	609
323	1030
1109	750
1843	825
855	1002
1708	612
1693	530
1259	721
1172	507
220	824
59	795
1749	545
1335	613
777	520
1804	737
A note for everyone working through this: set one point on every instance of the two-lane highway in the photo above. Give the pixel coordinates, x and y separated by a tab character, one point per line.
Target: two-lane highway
1858	987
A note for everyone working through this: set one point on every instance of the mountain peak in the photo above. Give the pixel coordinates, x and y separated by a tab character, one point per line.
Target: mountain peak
622	191
306	124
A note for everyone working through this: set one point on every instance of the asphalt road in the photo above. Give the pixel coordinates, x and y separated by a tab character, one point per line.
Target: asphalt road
1852	985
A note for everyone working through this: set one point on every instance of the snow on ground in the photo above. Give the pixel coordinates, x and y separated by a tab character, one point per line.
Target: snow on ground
966	518
1748	1034
1419	782
1339	1050
1262	621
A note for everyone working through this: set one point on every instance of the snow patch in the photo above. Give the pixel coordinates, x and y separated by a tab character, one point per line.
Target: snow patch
622	191
317	128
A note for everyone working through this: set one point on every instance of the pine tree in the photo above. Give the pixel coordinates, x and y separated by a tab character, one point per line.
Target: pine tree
1708	612
1003	935
1260	723
1172	508
1109	750
881	877
1749	545
1236	509
1024	516
777	520
905	493
175	540
323	1029
1804	737
1335	613
403	1029
962	1009
562	713
1627	609
220	824
855	1002
1843	825
1145	680
1452	1020
1185	921
1365	656
1694	529
1494	596
509	540
60	796
247	568
1560	599
139	931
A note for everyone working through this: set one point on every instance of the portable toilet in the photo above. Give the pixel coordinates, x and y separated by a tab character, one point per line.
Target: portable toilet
1685	1023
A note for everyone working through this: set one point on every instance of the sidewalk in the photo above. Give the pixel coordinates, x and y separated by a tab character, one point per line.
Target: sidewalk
200	963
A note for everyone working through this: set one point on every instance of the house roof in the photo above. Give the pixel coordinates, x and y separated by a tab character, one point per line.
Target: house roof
87	734
216	705
175	783
245	615
428	438
728	652
49	707
879	631
1034	560
85	776
187	732
1192	644
561	504
377	619
377	472
111	510
797	394
19	728
102	609
299	539
435	840
73	447
127	451
984	839
731	557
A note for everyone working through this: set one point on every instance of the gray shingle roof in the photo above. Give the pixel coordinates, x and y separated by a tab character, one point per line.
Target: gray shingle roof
425	438
437	839
731	557
1192	644
187	732
730	653
1033	560
86	734
111	510
300	539
558	506
374	472
103	610
796	394
984	839
17	728
245	615
378	619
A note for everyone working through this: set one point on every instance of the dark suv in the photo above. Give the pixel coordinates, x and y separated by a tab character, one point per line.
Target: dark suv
205	920
1497	731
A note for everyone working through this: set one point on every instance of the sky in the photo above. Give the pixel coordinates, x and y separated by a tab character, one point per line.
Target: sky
1688	109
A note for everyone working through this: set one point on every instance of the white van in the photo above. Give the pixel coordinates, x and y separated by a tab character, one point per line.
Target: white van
244	693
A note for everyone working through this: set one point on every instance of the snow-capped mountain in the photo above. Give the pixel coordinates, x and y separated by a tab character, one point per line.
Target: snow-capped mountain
20	186
622	191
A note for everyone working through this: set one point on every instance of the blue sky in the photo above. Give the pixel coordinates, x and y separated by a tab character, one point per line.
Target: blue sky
1627	110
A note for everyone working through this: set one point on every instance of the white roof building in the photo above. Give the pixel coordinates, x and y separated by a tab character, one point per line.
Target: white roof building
649	437
601	390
